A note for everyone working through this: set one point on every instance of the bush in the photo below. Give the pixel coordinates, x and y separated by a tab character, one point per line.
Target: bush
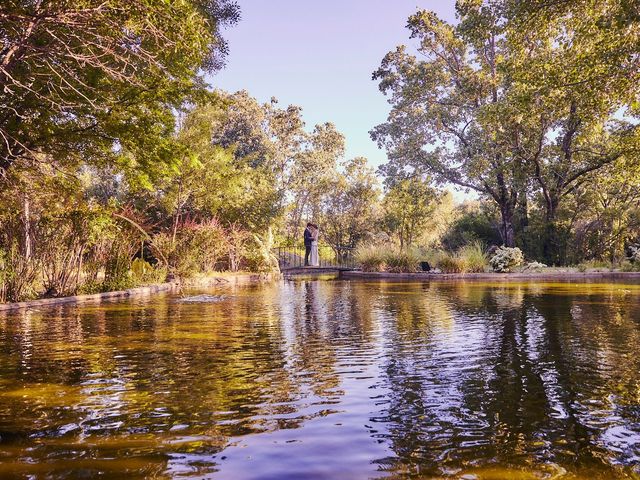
534	267
594	265
371	258
473	225
505	259
450	263
630	266
400	261
196	248
472	257
259	254
17	275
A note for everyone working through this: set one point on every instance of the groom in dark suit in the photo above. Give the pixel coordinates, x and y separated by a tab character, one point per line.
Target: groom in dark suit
308	239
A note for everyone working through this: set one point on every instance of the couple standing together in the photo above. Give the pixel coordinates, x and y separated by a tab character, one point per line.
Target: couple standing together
311	245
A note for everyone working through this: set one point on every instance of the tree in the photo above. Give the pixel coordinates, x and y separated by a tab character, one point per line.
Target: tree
212	180
350	208
313	171
261	135
408	208
507	105
98	81
450	113
575	75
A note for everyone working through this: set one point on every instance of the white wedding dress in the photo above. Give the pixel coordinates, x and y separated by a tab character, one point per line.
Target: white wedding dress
314	261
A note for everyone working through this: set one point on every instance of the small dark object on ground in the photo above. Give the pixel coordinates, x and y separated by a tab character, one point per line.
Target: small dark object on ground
425	266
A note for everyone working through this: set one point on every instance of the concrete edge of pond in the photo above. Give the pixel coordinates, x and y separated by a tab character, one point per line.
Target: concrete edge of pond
205	281
491	276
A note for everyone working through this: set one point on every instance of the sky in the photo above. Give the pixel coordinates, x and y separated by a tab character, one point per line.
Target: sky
320	56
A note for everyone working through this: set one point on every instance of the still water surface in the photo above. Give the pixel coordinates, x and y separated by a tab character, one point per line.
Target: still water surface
328	380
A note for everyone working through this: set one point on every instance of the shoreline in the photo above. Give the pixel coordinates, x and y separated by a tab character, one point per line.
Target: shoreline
223	278
535	276
197	282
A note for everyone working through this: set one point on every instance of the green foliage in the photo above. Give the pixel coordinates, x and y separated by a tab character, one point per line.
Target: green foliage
18	275
259	254
594	266
143	273
195	247
450	263
518	104
473	222
408	209
467	259
386	258
349	210
371	258
97	81
401	260
473	257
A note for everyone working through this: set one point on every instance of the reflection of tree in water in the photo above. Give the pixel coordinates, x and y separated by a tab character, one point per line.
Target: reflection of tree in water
461	375
203	371
526	401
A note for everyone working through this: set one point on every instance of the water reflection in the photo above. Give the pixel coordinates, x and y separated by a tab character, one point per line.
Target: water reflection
329	379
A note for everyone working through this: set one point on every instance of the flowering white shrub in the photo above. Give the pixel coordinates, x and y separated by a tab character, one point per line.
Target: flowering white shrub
635	253
506	258
534	267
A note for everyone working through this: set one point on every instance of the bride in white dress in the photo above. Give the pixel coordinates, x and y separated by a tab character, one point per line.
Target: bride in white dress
314	261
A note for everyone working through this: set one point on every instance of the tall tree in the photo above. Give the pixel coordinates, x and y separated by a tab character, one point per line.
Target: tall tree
450	115
408	208
261	135
314	168
576	81
351	206
94	79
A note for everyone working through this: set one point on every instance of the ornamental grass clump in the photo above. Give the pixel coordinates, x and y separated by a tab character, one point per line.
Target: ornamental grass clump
450	263
371	258
505	259
401	261
472	258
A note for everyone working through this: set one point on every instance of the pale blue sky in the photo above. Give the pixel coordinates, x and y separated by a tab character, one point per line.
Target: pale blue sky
320	56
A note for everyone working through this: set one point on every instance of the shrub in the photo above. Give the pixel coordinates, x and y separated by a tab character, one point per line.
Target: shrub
594	265
371	258
533	267
505	259
472	257
143	273
196	248
400	261
259	254
17	275
630	266
451	263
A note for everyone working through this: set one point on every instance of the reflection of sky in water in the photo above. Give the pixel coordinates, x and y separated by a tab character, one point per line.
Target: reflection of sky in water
328	380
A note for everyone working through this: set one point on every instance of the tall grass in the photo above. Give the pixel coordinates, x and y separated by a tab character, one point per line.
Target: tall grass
370	258
473	257
389	258
450	263
401	261
468	259
386	258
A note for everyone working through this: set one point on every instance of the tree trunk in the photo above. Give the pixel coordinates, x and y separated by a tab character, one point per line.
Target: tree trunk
507	231
551	248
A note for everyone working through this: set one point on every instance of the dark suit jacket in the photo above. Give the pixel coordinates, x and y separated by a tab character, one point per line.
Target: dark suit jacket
308	237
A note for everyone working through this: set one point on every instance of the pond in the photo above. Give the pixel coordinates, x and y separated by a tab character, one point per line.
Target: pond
328	380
